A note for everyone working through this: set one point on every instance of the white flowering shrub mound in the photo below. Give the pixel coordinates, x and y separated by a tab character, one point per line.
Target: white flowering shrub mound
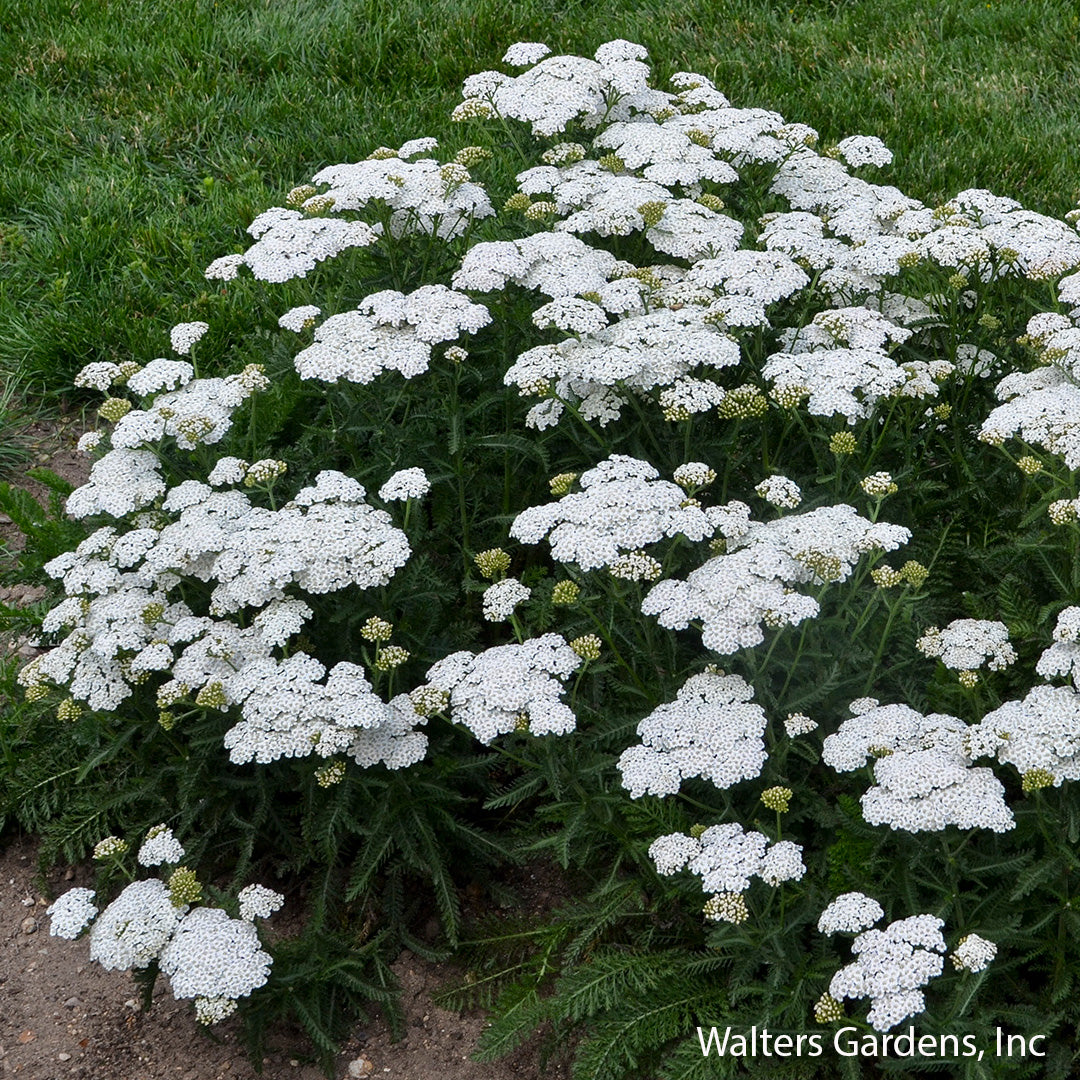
626	476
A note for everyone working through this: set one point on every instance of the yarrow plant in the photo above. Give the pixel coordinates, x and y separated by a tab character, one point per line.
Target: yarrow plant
206	955
622	382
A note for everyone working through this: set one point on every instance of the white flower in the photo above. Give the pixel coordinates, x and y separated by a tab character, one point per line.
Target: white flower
99	375
288	710
892	965
859	150
213	956
735	594
258	902
288	245
780	491
509	687
71	913
967	644
798	724
1040	732
405	484
846	381
423	196
726	857
135	927
298	318
120	482
184	335
640	352
213	1010
389	332
849	913
501	598
712	730
622	507
556	264
227	470
225	268
160	846
161	374
973	954
767	276
525	53
694	474
924	779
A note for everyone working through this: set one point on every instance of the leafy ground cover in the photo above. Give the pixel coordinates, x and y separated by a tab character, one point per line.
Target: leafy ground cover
631	478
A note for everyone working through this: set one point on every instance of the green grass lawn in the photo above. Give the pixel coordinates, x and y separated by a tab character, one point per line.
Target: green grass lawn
137	139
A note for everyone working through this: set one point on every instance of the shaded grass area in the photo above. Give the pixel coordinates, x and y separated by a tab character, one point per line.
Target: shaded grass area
138	139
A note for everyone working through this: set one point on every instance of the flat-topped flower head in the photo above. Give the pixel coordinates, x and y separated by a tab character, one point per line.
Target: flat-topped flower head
389	331
726	857
849	913
750	586
405	484
213	956
780	491
491	690
160	846
712	730
184	335
859	150
258	902
71	913
623	506
973	953
969	644
891	967
1039	732
135	927
501	598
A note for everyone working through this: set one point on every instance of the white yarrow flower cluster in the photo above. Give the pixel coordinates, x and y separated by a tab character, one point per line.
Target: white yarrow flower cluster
924	779
509	687
598	373
293	708
389	331
1063	656
726	857
859	150
694	474
622	507
1042	731
423	196
780	491
405	484
288	245
556	264
968	644
501	598
892	965
160	846
71	913
849	913
973	953
560	89
735	594
134	928
184	335
299	318
211	955
712	730
258	902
